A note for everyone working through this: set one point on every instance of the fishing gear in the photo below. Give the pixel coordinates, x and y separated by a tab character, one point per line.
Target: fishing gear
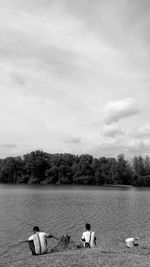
21	220
29	224
82	214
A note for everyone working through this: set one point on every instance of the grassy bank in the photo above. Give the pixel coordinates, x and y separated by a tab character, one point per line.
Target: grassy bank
136	257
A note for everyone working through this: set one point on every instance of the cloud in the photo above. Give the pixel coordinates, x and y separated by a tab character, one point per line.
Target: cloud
61	62
74	140
116	110
143	131
112	131
8	145
139	146
109	147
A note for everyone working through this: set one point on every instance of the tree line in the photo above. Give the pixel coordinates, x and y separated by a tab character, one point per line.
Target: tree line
39	167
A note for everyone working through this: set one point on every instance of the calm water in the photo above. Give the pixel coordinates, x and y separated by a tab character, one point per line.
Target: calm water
114	213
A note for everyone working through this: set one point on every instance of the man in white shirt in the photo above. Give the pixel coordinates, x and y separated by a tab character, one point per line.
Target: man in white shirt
88	237
38	241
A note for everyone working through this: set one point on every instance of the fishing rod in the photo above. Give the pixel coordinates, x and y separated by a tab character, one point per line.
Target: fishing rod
18	219
82	214
28	224
78	208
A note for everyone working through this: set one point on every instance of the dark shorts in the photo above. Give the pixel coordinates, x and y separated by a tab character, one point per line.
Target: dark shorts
32	247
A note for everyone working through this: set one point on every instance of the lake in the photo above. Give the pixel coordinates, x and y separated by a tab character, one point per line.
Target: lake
113	212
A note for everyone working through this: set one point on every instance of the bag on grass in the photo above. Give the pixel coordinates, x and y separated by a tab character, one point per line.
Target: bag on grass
87	245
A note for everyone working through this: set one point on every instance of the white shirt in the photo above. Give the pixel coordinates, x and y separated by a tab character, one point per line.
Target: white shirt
86	237
40	242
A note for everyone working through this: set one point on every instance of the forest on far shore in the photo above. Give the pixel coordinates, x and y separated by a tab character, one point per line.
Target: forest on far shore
39	167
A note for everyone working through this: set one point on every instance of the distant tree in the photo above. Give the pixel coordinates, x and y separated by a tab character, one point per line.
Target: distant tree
56	160
65	174
51	175
84	171
99	176
33	180
124	171
146	180
35	166
74	169
138	166
147	165
10	169
106	172
113	170
45	168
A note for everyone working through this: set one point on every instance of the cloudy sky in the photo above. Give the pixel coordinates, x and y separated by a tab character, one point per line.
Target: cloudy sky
74	77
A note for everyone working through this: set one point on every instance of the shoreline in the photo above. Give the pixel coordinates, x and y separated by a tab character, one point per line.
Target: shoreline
72	186
85	258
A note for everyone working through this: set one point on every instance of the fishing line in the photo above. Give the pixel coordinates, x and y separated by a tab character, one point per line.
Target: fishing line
77	207
29	224
21	220
81	214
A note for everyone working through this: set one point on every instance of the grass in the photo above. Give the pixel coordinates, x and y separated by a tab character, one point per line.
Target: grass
121	257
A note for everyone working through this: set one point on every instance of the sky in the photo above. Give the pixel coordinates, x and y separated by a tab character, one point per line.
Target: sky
74	77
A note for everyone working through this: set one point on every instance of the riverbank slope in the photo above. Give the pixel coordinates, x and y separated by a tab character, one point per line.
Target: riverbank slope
135	257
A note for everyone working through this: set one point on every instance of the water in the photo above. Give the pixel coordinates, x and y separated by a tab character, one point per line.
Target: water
114	213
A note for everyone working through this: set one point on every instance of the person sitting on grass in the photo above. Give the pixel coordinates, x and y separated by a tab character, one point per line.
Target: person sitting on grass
88	237
38	241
